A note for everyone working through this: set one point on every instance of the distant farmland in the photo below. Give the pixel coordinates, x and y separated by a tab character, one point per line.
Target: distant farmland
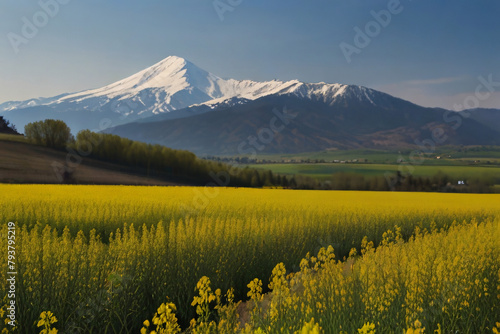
325	170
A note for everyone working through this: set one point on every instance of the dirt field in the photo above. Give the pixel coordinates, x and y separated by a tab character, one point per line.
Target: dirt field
25	163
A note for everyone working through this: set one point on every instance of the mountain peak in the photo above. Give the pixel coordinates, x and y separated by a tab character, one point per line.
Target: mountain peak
171	75
175	83
174	58
171	63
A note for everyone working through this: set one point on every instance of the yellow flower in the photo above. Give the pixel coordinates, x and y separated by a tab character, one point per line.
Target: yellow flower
368	328
310	327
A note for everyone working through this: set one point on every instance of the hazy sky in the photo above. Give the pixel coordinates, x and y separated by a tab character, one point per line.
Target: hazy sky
427	51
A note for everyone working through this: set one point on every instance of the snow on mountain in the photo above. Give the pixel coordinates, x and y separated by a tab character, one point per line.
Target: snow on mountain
11	105
172	84
176	76
171	75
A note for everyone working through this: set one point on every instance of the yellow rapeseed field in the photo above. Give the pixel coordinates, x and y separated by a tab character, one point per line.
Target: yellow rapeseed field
104	258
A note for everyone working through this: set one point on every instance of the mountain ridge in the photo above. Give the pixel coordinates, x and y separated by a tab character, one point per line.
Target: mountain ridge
171	84
177	104
234	130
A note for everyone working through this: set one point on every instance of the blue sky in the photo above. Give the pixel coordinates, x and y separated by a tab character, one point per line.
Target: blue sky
431	52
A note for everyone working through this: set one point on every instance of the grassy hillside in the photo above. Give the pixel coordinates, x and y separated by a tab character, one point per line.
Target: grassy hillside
12	138
22	162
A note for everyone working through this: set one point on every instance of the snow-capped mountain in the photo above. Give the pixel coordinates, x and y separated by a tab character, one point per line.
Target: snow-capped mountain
177	104
172	84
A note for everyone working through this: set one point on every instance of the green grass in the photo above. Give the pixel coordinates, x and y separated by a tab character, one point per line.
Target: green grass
459	155
323	171
16	138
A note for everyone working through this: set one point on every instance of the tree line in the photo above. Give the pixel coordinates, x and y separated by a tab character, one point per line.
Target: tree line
50	133
179	165
149	159
396	181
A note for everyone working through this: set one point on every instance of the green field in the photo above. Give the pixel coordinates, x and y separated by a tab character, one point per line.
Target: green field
449	155
325	170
